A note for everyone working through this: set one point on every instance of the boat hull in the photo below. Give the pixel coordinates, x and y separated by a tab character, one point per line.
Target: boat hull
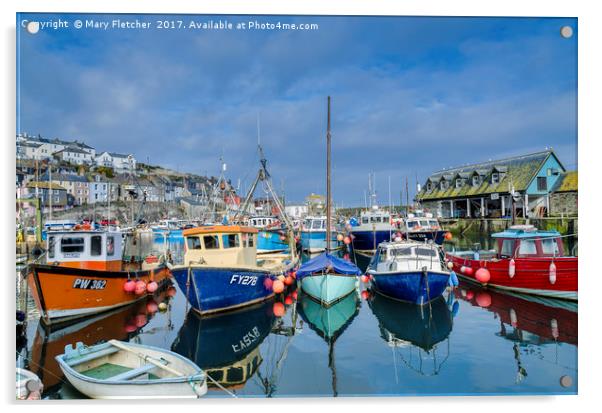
328	289
63	294
315	241
532	275
411	286
366	242
270	241
215	289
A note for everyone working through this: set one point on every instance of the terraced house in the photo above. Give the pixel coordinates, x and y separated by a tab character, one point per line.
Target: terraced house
493	189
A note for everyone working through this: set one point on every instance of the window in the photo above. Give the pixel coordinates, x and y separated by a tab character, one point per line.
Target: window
193	243
507	249
411	224
50	247
211	242
549	246
527	247
365	220
459	183
542	183
476	180
426	252
230	241
251	238
110	245
495	178
398	252
444	185
429	186
96	245
72	245
316	224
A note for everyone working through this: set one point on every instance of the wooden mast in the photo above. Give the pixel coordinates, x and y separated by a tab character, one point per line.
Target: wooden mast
328	195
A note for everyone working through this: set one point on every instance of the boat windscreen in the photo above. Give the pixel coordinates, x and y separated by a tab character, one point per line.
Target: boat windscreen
426	252
398	252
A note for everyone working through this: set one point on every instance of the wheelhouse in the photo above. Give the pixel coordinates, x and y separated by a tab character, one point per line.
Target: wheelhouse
98	250
263	222
525	241
422	222
375	217
221	245
414	255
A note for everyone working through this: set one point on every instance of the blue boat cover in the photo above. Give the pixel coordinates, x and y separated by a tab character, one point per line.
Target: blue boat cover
324	261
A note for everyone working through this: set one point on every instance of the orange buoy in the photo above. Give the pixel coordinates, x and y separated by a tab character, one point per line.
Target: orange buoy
140	287
448	236
288	300
483	275
152	287
288	280
365	294
267	283
347	240
129	286
278	309
171	291
340	237
365	278
483	299
278	286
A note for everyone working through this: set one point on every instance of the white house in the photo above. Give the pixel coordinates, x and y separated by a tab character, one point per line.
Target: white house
99	190
74	155
36	147
117	161
296	211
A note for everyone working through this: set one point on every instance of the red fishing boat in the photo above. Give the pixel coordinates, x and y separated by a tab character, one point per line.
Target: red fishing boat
525	260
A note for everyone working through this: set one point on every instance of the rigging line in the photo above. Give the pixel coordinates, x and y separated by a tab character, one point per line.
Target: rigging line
41	367
220	386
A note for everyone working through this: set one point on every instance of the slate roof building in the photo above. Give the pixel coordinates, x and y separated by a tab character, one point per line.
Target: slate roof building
564	197
491	189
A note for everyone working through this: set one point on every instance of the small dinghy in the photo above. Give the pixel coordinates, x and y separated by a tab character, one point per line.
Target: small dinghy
118	370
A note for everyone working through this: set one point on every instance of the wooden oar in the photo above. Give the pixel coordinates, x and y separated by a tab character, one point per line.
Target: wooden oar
151	360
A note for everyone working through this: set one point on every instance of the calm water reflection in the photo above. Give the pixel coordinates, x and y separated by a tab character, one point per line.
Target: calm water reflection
472	341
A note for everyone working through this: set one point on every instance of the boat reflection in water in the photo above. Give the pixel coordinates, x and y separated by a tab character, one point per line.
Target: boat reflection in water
527	320
122	324
329	322
409	329
226	346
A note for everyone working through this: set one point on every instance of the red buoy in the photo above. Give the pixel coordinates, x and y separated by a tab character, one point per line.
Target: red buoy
294	295
152	307
365	278
365	294
152	287
140	287
278	309
130	327
288	300
347	240
448	236
288	280
483	275
171	291
129	286
278	286
468	270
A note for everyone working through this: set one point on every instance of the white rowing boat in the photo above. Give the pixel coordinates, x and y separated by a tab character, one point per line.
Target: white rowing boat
118	370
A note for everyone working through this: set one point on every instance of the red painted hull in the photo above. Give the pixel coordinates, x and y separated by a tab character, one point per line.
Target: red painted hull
532	275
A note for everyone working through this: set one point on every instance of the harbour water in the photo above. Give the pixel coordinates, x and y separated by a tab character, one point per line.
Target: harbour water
471	341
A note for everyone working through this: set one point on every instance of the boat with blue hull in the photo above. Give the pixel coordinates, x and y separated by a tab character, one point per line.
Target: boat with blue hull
328	279
409	271
422	227
272	236
313	235
222	271
373	228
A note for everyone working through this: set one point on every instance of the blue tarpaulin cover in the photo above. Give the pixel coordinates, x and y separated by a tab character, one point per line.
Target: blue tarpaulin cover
325	260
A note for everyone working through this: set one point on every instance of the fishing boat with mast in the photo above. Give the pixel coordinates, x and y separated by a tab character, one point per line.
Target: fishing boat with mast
222	270
326	278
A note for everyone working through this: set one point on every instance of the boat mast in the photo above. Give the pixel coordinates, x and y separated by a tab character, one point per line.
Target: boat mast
328	200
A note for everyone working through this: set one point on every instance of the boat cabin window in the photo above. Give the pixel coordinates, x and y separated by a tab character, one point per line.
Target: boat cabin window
318	224
549	246
95	245
527	247
424	223
433	223
236	374
251	237
426	252
365	220
230	241
411	224
507	249
217	375
72	245
193	243
51	247
211	242
110	245
398	252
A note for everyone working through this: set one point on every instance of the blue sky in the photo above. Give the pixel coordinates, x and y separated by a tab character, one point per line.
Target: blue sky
410	95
